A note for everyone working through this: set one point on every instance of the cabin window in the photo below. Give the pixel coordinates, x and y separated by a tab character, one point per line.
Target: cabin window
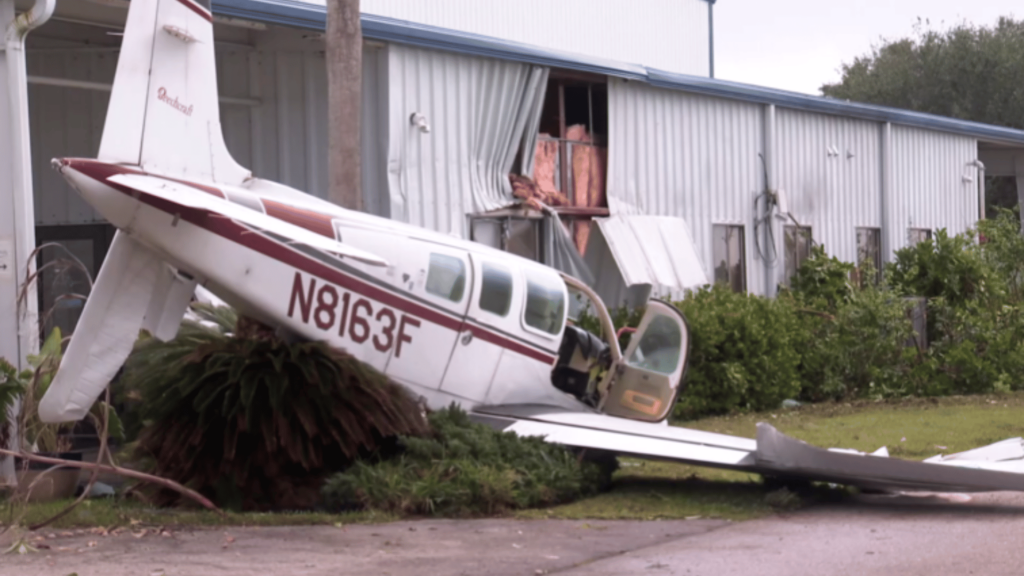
659	347
798	248
545	303
495	289
869	253
447	277
915	235
728	255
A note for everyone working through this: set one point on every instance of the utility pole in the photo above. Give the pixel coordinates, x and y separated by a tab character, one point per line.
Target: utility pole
344	101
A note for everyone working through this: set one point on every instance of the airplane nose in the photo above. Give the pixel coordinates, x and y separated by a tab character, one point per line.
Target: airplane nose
89	178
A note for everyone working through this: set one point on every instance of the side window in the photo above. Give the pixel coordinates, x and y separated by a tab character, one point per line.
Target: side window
495	289
659	347
545	303
798	241
727	253
446	277
915	235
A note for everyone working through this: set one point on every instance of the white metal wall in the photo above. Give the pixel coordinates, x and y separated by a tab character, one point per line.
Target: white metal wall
830	170
928	185
679	154
669	35
436	178
686	155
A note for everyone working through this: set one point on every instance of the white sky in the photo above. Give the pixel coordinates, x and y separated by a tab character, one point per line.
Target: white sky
799	45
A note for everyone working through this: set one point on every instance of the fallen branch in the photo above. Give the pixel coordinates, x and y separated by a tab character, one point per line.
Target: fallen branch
171	484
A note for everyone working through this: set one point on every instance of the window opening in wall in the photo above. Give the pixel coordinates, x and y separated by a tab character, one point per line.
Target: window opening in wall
869	254
446	277
798	248
915	235
495	289
570	163
518	235
729	256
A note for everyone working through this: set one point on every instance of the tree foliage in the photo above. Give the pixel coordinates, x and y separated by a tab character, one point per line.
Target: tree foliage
969	72
255	422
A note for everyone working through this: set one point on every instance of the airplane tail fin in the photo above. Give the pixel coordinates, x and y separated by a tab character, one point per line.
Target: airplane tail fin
164	112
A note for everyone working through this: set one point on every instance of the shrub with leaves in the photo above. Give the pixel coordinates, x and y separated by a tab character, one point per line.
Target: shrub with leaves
822	282
949	267
465	469
743	352
254	422
861	350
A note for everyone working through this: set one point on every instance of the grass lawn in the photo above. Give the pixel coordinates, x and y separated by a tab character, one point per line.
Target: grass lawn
914	429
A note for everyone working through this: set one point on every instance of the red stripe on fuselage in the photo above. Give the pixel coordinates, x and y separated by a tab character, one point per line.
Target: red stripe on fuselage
198	10
239	234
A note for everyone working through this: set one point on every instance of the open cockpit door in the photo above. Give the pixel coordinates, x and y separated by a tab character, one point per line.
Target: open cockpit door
647	379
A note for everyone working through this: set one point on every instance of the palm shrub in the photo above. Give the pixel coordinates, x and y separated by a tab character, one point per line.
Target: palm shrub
462	469
254	422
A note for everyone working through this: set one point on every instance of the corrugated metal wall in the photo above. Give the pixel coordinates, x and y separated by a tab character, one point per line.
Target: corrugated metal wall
673	153
686	155
830	170
436	178
928	187
283	139
665	34
65	122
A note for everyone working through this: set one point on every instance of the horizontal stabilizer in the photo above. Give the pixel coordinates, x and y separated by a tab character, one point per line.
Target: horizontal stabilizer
190	197
106	331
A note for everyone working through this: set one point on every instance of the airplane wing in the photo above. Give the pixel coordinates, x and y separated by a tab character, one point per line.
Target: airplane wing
188	196
772	453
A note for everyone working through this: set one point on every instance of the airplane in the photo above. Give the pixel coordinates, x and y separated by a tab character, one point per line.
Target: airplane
450	319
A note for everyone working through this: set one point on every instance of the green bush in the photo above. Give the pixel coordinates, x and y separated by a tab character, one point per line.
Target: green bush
859	351
254	422
743	352
821	282
949	267
465	469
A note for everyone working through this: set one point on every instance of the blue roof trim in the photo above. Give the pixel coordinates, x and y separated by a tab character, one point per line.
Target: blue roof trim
291	13
821	104
298	14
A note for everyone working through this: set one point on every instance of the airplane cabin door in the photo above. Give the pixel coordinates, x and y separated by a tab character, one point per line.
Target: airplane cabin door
647	381
440	279
491	312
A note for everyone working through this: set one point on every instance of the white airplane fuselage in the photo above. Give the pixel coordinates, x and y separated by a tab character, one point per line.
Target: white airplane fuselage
444	349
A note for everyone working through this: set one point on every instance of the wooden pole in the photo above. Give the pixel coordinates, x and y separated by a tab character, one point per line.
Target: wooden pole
344	99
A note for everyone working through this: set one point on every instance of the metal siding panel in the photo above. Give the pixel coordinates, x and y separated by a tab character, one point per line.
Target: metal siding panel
64	122
928	187
433	177
833	194
688	156
665	34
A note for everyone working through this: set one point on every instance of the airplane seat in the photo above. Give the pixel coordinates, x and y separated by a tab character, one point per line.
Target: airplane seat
578	353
